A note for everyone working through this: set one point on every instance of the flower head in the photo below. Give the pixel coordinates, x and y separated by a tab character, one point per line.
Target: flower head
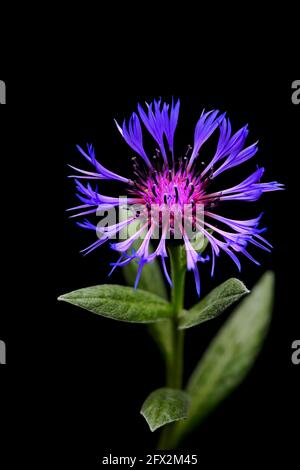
170	198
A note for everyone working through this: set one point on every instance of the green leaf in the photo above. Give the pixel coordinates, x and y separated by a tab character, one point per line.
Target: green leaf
164	406
120	303
214	303
230	355
152	281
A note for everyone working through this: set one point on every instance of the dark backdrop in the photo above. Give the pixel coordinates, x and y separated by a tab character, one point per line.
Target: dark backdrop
75	382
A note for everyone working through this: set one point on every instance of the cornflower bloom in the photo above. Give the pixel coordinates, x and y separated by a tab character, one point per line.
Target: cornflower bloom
171	196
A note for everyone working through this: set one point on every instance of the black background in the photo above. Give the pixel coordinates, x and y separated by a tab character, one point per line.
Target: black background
74	383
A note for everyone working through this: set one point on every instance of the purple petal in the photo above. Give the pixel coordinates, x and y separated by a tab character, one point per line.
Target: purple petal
125	245
236	158
163	262
103	173
206	125
133	136
197	279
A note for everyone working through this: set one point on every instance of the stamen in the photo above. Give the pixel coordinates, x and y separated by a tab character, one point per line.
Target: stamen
192	187
216	200
187	183
189	148
210	175
138	174
176	193
154	174
148	207
154	190
193	215
165	198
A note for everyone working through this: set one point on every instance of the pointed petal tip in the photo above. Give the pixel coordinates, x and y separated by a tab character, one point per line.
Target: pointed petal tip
119	127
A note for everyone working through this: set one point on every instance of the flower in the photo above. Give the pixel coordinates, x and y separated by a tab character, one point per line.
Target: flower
164	185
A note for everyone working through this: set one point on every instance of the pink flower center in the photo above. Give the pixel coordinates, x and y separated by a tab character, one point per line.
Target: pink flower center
169	187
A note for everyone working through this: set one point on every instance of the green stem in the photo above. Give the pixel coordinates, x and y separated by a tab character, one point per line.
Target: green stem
178	270
175	365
